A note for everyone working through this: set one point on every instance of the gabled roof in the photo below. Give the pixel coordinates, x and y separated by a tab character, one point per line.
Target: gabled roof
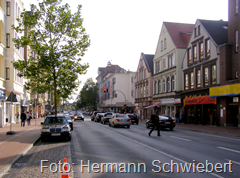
217	30
111	69
148	59
179	32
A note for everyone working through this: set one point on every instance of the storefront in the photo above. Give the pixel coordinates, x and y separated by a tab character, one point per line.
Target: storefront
2	107
200	110
228	97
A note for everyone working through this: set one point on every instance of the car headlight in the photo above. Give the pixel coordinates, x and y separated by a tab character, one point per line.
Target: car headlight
75	117
65	129
45	129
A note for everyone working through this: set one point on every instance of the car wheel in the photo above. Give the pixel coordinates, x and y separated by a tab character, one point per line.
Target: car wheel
128	126
109	124
43	139
171	128
83	120
147	126
137	123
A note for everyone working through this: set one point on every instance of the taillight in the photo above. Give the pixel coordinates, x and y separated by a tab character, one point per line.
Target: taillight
98	117
117	120
160	121
137	117
173	121
129	120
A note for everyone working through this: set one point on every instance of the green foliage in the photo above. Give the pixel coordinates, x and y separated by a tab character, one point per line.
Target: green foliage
59	41
88	95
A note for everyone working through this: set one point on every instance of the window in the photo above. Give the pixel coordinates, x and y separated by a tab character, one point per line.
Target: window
114	80
195	53
164	85
163	64
8	8
159	86
145	74
199	30
155	87
173	83
165	43
237	3
206	76
189	56
208	47
170	60
236	39
168	84
186	81
214	75
161	45
201	50
198	78
8	40
144	91
195	31
136	91
192	80
7	73
147	90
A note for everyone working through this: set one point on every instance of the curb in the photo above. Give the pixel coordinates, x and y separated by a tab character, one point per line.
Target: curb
8	166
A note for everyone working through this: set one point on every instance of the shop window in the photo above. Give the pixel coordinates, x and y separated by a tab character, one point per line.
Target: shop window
206	80
214	75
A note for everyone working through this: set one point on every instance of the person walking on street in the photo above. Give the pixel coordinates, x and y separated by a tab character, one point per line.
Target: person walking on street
177	117
155	121
23	118
29	117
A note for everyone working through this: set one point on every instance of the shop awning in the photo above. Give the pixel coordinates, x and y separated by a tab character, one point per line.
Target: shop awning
150	106
200	100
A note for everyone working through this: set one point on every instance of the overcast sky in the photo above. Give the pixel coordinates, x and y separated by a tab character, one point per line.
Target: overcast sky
120	30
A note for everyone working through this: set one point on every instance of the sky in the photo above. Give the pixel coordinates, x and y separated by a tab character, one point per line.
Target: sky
120	30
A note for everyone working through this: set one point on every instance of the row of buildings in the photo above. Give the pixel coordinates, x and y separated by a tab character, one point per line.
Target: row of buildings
10	10
194	71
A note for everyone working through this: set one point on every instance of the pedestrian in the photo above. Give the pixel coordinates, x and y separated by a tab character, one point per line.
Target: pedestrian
177	117
183	116
29	117
155	121
17	115
23	118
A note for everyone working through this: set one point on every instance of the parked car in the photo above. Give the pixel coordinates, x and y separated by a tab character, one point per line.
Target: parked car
134	118
55	127
118	120
69	121
165	121
79	116
94	115
106	117
98	117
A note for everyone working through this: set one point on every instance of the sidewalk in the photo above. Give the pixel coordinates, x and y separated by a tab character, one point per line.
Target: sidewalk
231	131
12	147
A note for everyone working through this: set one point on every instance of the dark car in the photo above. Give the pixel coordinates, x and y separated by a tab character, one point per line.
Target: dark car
55	126
106	117
134	118
98	117
69	121
94	115
79	116
165	121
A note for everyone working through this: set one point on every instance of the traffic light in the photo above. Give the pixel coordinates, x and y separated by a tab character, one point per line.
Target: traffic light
107	89
104	89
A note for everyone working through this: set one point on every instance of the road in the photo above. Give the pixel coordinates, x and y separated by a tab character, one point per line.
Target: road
98	150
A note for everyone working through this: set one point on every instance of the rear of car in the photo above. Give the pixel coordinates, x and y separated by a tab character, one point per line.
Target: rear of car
134	118
69	121
55	127
165	121
106	117
94	115
98	117
118	120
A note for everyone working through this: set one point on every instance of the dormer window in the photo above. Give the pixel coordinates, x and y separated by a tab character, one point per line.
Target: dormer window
208	48
237	4
165	43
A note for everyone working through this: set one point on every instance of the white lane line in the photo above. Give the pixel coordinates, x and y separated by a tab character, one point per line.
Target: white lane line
228	149
210	134
235	162
181	138
216	175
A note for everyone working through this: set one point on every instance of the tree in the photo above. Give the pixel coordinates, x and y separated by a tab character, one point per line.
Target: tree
88	95
59	41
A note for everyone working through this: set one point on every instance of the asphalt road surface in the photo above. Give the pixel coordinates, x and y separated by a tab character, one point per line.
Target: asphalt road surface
98	150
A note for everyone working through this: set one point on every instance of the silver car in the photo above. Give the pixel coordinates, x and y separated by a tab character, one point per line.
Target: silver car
120	120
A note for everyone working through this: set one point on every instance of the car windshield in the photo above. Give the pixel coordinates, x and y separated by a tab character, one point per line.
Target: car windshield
108	115
67	117
164	117
121	115
55	120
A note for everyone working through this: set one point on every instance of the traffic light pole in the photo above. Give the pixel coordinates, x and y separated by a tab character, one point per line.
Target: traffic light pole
123	94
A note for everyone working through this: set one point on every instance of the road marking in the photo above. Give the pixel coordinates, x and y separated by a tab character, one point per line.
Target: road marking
210	134
228	149
216	175
181	138
233	161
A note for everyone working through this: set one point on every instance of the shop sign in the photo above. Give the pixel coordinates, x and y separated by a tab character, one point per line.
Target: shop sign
177	101
156	102
167	101
200	100
227	90
2	95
